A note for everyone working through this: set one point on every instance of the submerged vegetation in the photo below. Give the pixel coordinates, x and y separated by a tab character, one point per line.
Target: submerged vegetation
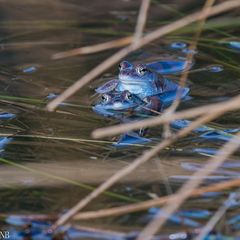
170	170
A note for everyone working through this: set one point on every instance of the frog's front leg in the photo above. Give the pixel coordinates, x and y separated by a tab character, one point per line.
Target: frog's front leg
107	87
154	105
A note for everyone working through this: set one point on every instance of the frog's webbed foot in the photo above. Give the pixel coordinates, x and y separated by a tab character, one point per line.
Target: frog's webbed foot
131	138
107	87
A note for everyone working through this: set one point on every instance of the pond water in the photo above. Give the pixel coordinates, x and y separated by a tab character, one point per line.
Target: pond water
52	161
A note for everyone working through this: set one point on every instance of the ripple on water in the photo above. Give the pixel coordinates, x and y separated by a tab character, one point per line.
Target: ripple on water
30	69
178	45
215	68
189	51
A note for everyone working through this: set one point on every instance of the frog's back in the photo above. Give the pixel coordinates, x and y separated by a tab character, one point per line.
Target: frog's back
169	86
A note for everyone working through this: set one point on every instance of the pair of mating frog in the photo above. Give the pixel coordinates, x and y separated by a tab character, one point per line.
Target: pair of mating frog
140	89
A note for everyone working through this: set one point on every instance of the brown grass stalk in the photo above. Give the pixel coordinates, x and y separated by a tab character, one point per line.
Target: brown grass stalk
116	211
214	219
193	46
142	18
94	48
101	231
111	44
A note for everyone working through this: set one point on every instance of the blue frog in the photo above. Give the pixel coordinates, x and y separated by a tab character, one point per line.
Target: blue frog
128	107
119	104
125	107
116	104
145	80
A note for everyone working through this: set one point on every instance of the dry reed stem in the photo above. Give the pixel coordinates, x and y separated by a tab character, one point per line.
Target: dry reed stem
222	7
214	220
116	211
142	18
97	230
128	169
186	190
229	105
94	48
193	46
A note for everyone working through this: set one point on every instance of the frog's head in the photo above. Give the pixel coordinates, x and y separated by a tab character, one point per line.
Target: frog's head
139	74
115	103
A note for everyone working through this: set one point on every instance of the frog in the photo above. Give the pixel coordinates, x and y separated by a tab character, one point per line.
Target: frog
115	104
119	104
128	107
125	107
145	80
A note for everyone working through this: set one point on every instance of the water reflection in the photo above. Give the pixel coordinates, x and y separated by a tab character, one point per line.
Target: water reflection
52	160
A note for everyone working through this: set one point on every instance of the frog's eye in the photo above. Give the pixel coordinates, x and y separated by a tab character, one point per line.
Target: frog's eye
128	95
141	70
120	66
106	98
124	65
